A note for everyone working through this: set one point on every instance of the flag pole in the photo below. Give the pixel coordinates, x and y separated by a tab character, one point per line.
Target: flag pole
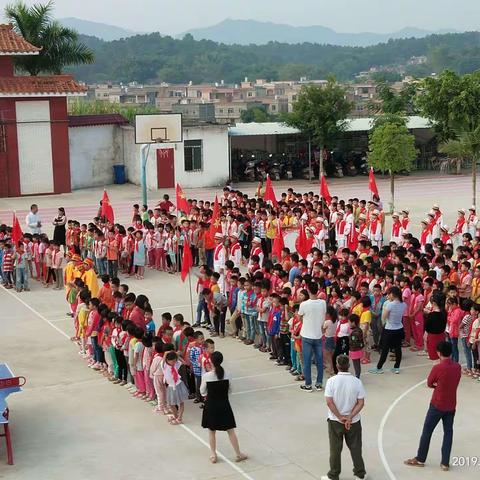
190	293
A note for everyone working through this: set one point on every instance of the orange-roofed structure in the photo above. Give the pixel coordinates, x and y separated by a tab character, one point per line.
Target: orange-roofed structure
34	144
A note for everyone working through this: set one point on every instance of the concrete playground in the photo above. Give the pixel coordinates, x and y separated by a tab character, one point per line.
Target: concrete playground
69	422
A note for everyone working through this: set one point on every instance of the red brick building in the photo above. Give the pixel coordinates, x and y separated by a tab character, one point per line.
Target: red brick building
34	147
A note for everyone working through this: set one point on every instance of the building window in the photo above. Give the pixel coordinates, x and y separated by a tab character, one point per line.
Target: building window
221	110
193	153
230	110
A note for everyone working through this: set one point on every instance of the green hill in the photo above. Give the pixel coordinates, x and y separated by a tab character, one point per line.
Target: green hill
154	58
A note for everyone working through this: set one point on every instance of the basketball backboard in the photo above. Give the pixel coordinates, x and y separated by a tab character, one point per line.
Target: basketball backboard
158	128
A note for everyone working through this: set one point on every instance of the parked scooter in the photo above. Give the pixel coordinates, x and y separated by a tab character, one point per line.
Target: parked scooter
274	171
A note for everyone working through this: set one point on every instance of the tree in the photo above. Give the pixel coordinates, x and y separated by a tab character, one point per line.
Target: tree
320	113
60	45
452	102
393	103
256	114
392	149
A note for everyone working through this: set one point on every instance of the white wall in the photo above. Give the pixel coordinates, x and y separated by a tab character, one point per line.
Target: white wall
215	158
216	168
93	152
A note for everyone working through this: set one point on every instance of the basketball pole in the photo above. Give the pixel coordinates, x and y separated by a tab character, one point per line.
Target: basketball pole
191	299
144	152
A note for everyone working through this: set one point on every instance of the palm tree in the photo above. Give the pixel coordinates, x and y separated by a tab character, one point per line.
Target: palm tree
60	45
466	144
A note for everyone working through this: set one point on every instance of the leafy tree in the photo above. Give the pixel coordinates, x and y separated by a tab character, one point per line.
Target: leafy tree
60	45
452	102
392	149
256	114
320	113
394	103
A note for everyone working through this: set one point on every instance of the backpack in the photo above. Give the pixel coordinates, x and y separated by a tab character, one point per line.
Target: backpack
356	339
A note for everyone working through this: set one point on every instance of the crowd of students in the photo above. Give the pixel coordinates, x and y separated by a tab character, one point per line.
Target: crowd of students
383	293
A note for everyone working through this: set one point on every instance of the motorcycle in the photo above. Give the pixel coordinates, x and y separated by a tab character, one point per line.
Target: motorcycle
250	171
274	171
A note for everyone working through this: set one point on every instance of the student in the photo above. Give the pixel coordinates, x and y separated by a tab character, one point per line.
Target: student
139	255
342	335
365	321
355	343
156	373
273	325
195	353
177	392
21	269
137	364
149	322
166	320
147	359
105	293
8	265
120	339
329	327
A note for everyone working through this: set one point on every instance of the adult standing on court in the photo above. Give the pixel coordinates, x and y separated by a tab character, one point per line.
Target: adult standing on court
345	398
217	413
435	324
33	220
393	333
444	379
312	313
59	232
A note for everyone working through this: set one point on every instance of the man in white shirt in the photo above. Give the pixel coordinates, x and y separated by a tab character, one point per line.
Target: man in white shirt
345	398
312	312
33	220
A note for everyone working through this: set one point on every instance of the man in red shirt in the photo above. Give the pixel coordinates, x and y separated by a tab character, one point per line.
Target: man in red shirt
444	379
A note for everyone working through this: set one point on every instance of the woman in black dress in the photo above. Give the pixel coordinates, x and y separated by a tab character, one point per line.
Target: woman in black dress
59	232
218	414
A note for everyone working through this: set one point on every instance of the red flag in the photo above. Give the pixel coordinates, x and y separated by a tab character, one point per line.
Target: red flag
269	193
301	243
17	233
107	210
372	184
182	203
324	193
187	261
278	243
215	226
353	239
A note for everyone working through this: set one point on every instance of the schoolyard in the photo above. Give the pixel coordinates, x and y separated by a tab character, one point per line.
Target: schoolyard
70	422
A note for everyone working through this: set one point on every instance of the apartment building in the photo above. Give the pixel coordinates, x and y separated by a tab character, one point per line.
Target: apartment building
227	102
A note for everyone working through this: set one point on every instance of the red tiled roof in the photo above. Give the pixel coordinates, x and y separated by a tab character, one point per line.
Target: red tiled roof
53	85
93	120
13	44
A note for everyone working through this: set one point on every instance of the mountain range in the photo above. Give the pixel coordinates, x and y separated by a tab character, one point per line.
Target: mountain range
246	32
103	31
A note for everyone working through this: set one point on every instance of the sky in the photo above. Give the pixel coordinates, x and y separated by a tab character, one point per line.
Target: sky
176	16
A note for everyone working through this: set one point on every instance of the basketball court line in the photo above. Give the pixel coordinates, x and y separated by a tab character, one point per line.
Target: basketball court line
381	452
233	465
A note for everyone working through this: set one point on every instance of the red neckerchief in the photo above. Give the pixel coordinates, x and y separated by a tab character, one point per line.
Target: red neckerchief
174	374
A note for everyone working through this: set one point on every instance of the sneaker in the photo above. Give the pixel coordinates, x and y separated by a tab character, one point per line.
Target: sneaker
318	387
360	478
306	388
376	371
395	370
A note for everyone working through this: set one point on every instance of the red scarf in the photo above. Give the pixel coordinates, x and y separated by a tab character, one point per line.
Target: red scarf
174	375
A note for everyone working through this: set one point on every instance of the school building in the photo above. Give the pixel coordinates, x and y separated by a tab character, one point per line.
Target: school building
34	148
